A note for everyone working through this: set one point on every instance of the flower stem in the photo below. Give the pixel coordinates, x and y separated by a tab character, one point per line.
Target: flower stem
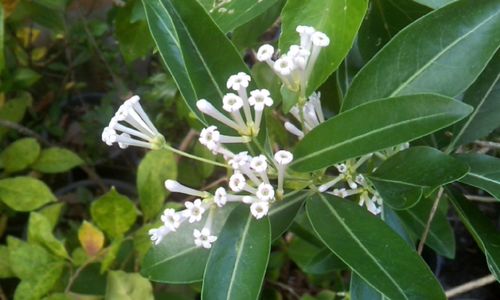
185	154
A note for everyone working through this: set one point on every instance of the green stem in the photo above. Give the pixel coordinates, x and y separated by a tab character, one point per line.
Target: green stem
204	160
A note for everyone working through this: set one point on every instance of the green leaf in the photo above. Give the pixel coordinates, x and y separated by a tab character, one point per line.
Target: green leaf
111	254
91	239
20	154
434	3
338	19
373	250
238	260
200	58
25	193
374	126
401	178
113	213
57	160
481	229
312	259
5	268
37	286
441	53
440	237
384	19
2	34
156	167
128	286
40	232
360	290
52	213
14	109
484	172
177	259
483	95
27	260
232	14
282	213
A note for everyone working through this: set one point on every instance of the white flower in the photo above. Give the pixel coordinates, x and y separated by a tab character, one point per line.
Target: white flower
299	56
260	99
265	192
220	197
284	65
157	234
207	108
175	187
237	182
232	102
320	39
249	199
330	183
194	210
238	81
305	33
210	137
259	164
294	130
240	160
109	136
171	219
342	168
203	238
265	52
283	157
259	209
360	179
342	193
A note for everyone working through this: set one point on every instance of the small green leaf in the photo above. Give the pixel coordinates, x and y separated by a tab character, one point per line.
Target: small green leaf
37	286
419	59
14	109
401	178
238	260
338	19
113	213
484	172
128	286
20	154
52	213
5	268
111	254
91	238
25	193
373	250
28	260
482	230
156	167
374	126
40	232
57	160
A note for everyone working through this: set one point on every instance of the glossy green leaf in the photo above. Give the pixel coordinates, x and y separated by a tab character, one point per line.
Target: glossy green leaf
20	154
282	213
462	37
360	290
374	126
401	178
482	230
177	259
384	19
483	95
238	261
230	14
114	213
375	252
312	259
440	238
40	232
156	167
128	286
392	220
434	3
25	193
200	58
57	160
338	19
484	172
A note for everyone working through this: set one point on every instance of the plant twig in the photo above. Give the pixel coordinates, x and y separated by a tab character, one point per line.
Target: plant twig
488	144
186	142
429	221
285	287
23	130
469	286
481	198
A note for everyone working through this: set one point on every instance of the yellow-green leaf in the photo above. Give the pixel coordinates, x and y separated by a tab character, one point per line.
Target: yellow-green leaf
25	193
20	154
40	232
57	160
91	238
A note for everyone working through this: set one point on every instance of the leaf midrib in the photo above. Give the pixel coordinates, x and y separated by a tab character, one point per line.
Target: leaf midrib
238	256
179	254
482	177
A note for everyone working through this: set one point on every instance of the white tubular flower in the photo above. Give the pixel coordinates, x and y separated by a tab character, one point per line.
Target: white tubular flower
342	193
259	99
294	130
207	108
203	238
259	165
175	187
283	157
240	160
284	66
360	179
342	168
194	210
171	219
351	183
249	199
310	115
220	197
142	132
232	103
319	39
265	192
315	100
238	81
322	188
305	33
237	182
210	137
157	234
265	53
299	56
370	203
259	209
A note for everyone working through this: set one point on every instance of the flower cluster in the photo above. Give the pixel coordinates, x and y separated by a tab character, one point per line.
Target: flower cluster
311	115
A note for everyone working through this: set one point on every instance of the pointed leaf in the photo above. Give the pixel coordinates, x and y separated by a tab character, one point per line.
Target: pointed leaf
375	252
91	238
128	286
484	172
40	232
374	126
360	290
238	261
434	3
282	213
57	160
338	19
25	193
200	58
462	37
20	154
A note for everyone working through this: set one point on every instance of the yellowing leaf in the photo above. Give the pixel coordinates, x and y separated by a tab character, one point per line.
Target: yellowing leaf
91	238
